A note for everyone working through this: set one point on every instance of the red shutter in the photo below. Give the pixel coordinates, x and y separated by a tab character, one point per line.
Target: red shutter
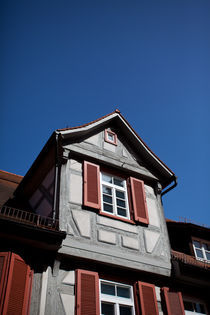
148	301
173	302
87	293
139	200
92	196
4	266
18	288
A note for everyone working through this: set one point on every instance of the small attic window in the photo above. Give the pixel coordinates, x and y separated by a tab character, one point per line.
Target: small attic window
110	137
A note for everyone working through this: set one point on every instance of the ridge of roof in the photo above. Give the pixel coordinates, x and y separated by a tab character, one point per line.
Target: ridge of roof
117	111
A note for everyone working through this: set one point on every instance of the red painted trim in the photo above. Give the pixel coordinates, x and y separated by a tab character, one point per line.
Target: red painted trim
140	284
85	187
115	217
79	272
137	218
3	280
107	139
168	306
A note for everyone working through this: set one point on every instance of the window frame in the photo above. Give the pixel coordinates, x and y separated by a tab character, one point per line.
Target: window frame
194	301
202	242
106	137
114	197
116	300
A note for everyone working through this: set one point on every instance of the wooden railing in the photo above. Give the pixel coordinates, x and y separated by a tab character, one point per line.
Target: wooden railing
28	218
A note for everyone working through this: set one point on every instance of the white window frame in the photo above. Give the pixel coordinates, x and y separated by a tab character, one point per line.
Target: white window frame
114	188
194	302
202	242
116	300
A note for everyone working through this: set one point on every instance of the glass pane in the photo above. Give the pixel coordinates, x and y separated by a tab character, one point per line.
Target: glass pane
123	292
108	207
208	255
188	306
206	247
118	182
199	253
197	244
107	309
107	289
120	194
121	203
121	212
199	308
107	199
125	310
107	190
110	136
107	178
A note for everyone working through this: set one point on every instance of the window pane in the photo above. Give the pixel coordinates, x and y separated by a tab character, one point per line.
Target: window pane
120	194
110	136
125	310
121	212
188	306
121	203
119	182
197	244
208	255
107	190
107	309
199	253
106	178
123	292
108	207
107	199
206	247
199	308
107	289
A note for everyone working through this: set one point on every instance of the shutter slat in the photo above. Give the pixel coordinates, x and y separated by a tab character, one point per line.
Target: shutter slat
4	266
139	201
148	300
173	302
87	293
92	197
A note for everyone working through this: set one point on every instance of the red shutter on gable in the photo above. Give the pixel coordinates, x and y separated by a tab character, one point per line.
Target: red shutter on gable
148	301
18	288
87	293
92	196
139	200
173	302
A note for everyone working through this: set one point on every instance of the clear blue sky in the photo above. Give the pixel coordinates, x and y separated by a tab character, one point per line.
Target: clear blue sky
65	63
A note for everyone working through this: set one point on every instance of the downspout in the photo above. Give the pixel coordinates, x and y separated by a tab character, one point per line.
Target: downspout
171	187
56	177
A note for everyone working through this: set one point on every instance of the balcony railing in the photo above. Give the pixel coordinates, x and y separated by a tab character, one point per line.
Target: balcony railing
37	220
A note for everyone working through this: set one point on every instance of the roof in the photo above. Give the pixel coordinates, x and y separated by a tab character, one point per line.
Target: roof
8	184
189	260
183	222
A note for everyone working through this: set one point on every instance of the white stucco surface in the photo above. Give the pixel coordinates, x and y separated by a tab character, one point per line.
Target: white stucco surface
151	239
76	188
82	220
68	303
107	237
117	224
130	242
69	278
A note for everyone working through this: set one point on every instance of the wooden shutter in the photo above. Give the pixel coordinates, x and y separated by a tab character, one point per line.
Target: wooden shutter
139	200
148	300
18	287
4	266
87	293
173	302
92	196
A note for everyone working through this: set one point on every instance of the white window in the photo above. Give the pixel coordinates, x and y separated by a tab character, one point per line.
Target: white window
114	196
116	299
110	137
191	307
202	250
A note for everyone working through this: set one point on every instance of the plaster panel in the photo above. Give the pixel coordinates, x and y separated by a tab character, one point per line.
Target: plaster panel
75	165
69	278
130	242
82	220
93	140
117	224
151	239
107	237
68	303
153	212
76	188
109	146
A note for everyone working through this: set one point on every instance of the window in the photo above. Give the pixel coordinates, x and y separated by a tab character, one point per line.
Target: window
114	195
111	195
116	299
110	136
202	250
194	308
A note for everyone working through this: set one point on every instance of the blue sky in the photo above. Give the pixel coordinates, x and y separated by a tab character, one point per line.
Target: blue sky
65	63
